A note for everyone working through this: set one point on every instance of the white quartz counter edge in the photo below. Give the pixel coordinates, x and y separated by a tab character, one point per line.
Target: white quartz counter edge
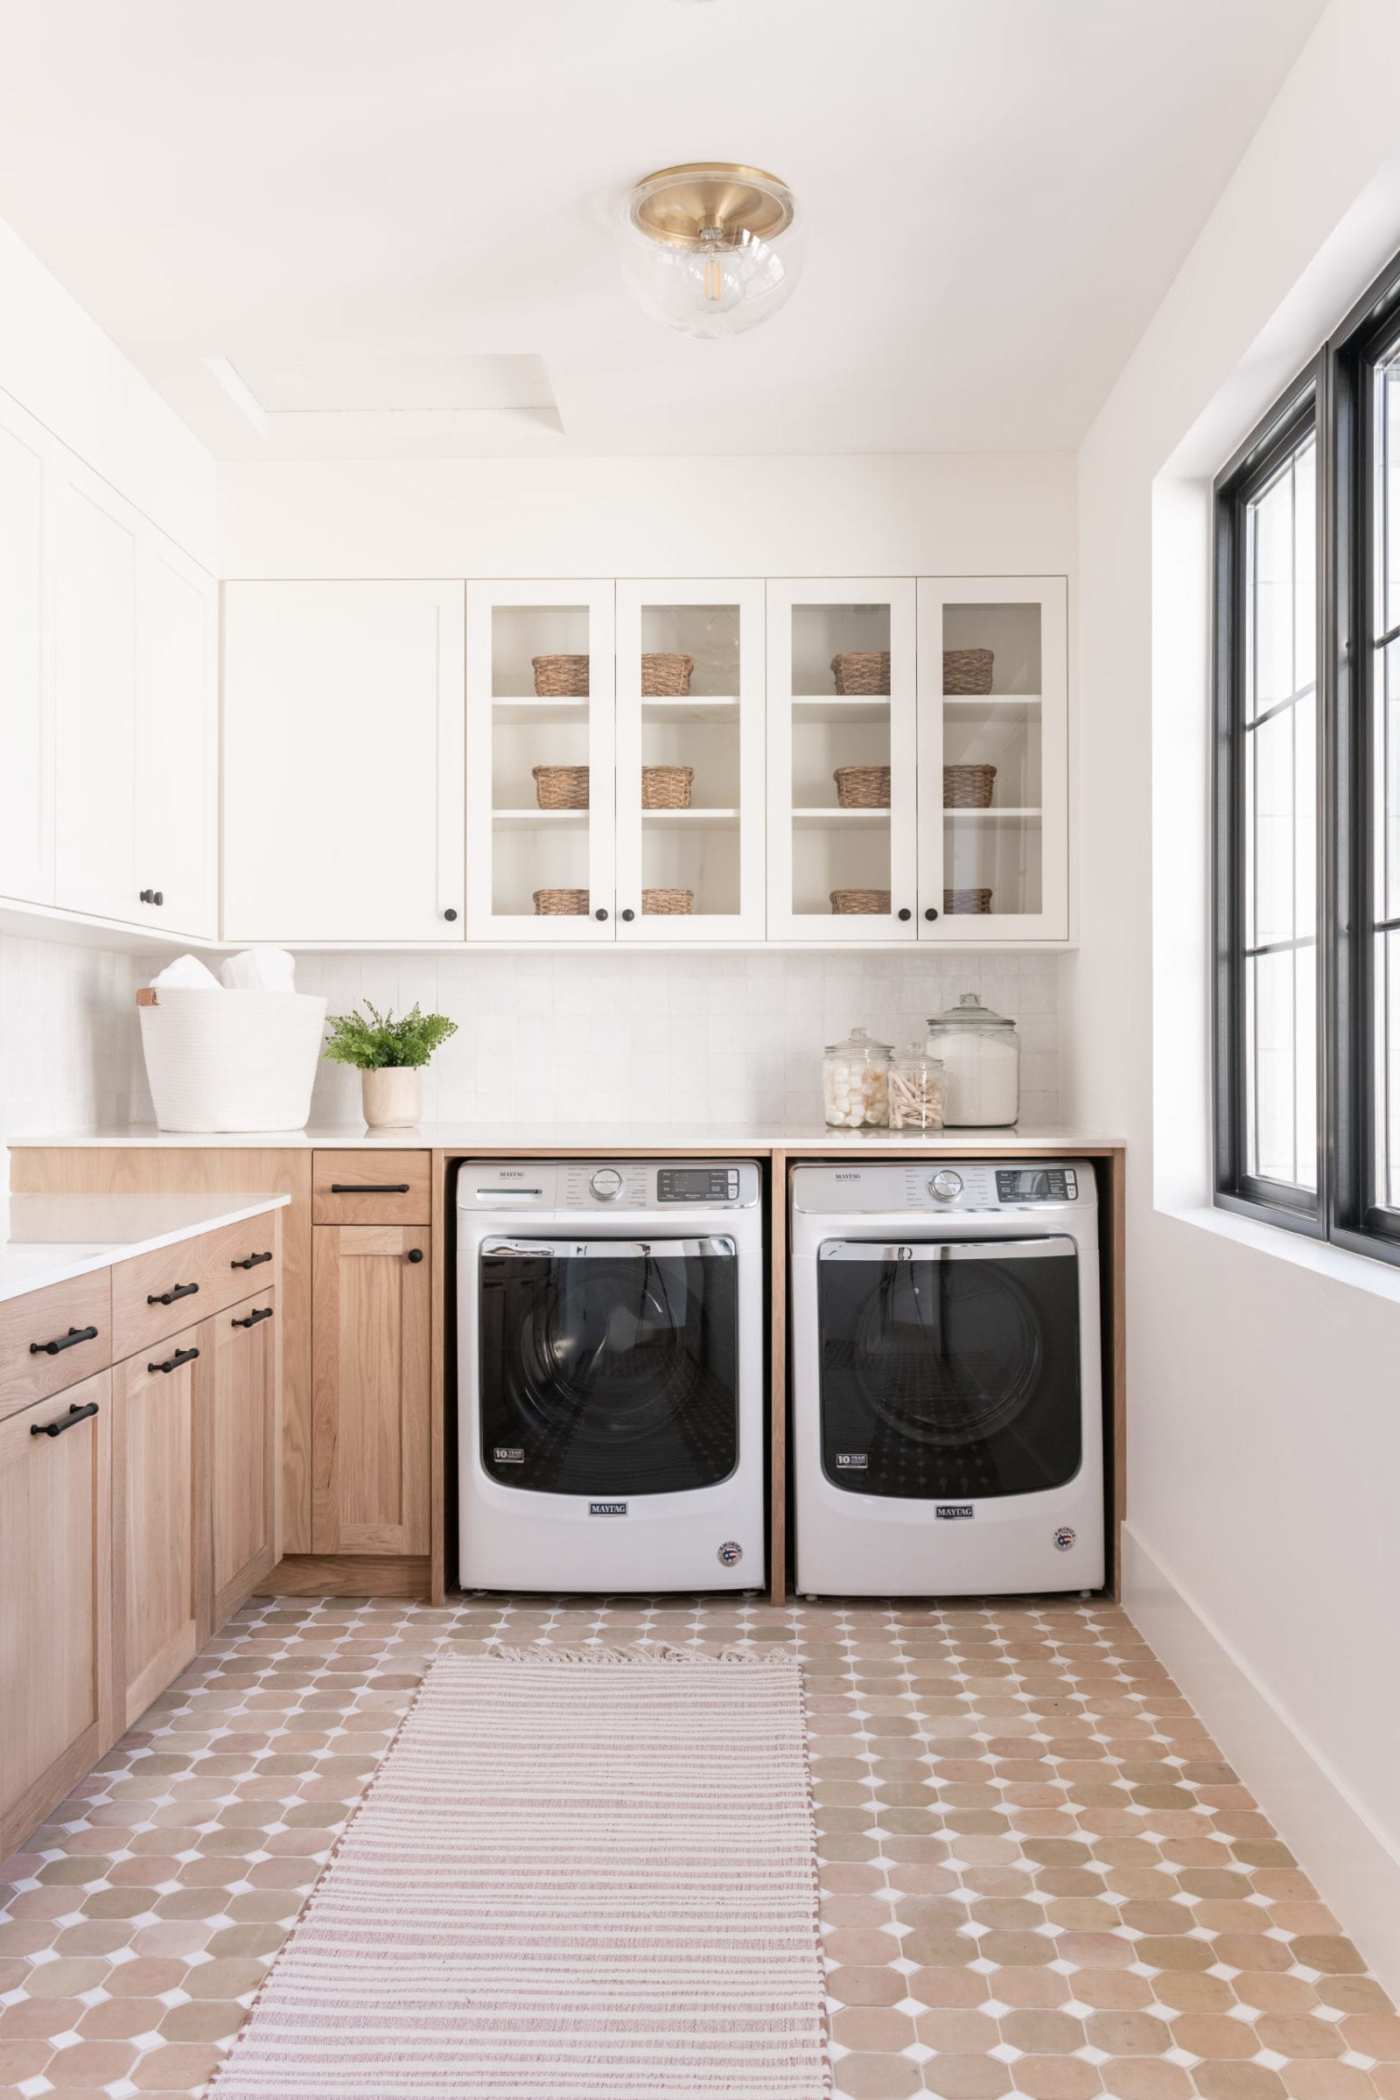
594	1137
53	1238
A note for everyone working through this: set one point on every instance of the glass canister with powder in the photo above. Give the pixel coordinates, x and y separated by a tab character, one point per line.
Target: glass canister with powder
856	1082
981	1056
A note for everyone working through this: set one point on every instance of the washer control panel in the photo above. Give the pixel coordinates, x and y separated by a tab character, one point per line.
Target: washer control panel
594	1185
697	1184
962	1188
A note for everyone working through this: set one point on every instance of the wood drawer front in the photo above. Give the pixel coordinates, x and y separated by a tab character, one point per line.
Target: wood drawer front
31	1325
372	1188
210	1262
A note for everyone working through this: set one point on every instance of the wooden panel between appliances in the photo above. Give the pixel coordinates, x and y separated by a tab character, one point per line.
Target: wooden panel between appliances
372	1312
39	1351
372	1188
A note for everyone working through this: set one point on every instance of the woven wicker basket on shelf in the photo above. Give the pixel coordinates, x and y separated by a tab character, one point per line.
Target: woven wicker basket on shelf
959	902
862	787
665	674
666	787
862	671
968	787
666	903
967	670
561	904
561	787
561	677
843	901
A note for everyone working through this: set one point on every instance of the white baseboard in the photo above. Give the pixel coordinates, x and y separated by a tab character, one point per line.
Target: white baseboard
1351	1863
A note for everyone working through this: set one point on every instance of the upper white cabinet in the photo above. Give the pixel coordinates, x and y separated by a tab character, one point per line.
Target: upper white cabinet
26	860
690	761
843	824
993	759
343	771
176	800
540	759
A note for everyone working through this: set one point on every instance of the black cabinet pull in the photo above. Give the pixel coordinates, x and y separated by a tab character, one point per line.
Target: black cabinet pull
173	1363
153	896
931	912
629	914
64	1341
259	1312
369	1188
251	1261
181	1290
71	1420
906	914
601	912
415	1253
449	913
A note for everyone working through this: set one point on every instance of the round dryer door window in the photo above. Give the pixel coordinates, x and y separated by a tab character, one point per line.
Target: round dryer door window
950	1370
609	1369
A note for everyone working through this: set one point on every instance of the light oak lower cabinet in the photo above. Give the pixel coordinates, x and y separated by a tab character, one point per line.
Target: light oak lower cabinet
160	1519
240	1381
55	1573
372	1300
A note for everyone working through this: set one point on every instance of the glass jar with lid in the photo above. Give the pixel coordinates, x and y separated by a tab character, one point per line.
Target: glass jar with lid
856	1082
916	1090
981	1056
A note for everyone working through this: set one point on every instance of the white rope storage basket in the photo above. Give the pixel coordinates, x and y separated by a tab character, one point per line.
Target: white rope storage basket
231	1060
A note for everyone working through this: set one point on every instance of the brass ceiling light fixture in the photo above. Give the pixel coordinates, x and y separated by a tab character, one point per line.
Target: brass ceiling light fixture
712	247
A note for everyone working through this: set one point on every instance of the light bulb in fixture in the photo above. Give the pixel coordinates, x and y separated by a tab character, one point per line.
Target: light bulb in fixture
712	248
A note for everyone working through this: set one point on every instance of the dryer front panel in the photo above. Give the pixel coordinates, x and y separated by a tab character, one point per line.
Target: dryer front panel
950	1370
609	1368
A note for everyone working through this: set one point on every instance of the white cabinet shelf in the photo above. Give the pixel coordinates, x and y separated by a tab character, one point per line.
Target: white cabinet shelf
836	819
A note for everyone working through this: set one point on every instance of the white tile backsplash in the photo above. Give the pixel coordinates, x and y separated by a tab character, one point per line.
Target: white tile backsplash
67	1038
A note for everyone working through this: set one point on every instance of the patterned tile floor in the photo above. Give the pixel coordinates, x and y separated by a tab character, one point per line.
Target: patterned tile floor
1039	1877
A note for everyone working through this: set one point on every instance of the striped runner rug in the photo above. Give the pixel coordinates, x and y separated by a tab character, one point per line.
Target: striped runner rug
574	1875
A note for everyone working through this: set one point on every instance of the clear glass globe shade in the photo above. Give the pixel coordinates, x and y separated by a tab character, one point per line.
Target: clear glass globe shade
717	291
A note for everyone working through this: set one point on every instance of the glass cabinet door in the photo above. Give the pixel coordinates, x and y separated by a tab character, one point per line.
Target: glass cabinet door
993	860
690	815
540	761
842	856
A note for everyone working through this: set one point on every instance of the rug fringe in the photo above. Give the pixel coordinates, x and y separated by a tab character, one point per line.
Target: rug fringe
658	1652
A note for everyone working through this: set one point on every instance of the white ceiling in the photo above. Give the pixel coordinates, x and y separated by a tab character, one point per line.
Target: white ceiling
354	204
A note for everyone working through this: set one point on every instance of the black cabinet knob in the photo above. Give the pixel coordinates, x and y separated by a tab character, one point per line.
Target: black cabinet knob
415	1253
601	912
906	914
629	913
449	913
931	912
152	896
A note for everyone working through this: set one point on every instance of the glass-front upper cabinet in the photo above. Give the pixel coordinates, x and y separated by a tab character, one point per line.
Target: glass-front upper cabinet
690	792
540	811
842	782
992	738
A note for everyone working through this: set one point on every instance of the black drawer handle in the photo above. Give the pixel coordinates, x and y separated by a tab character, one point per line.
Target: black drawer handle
181	1290
251	1261
71	1420
369	1188
173	1363
64	1341
259	1312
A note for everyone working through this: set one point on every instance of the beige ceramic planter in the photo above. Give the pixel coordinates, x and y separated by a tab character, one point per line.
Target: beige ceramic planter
393	1097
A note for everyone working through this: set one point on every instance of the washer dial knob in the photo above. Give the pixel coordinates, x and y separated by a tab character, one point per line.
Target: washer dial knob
946	1184
606	1184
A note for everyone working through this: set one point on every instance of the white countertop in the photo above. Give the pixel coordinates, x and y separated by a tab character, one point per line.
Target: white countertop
600	1137
54	1237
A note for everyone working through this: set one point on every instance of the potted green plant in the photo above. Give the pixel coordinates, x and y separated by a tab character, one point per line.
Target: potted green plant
389	1055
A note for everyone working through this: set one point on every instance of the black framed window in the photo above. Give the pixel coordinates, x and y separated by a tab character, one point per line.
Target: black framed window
1307	835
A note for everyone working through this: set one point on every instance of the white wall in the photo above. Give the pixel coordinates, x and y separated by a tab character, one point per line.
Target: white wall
67	1035
1264	1411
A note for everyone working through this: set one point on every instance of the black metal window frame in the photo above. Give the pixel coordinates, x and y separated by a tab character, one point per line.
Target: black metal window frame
1333	397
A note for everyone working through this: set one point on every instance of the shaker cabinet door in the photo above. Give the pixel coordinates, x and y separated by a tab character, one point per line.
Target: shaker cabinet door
343	769
160	1531
176	810
372	1295
241	1396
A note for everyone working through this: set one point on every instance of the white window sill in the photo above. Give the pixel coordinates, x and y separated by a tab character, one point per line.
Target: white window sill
1359	1271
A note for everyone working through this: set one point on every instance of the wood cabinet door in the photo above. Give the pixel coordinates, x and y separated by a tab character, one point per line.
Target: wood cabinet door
371	1294
343	781
176	820
55	1645
160	1529
241	1396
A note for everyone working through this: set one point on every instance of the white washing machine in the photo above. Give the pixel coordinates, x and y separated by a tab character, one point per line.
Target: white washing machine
610	1375
946	1387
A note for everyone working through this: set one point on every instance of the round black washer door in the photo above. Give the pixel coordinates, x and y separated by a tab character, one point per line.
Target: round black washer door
947	1354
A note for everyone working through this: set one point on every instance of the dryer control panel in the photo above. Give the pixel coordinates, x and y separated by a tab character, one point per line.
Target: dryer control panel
956	1186
597	1186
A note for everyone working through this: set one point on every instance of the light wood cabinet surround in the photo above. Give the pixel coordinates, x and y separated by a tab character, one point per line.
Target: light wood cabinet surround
372	1304
160	1519
242	1396
52	1338
56	1709
372	1188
